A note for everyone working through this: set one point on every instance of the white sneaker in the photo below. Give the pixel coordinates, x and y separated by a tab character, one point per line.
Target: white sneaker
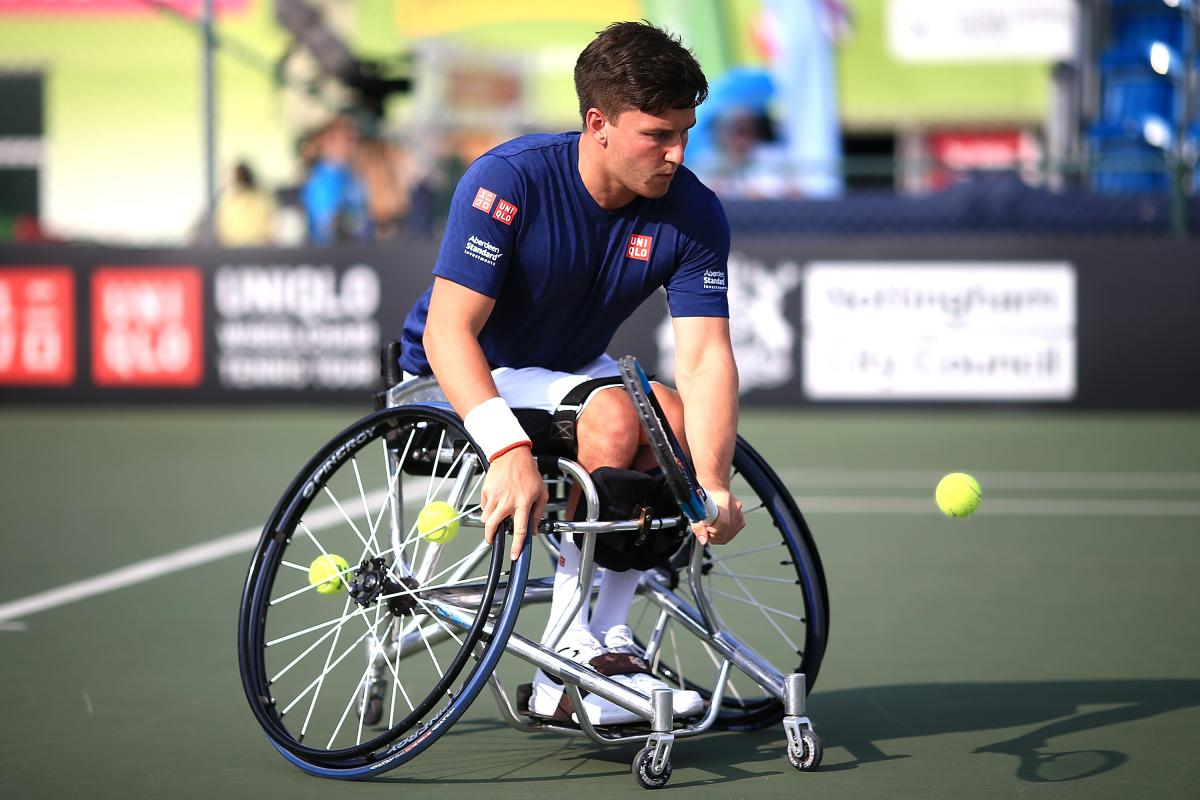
548	698
619	639
684	702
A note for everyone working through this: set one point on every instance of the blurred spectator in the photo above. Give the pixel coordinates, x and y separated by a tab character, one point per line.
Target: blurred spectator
744	161
245	213
334	196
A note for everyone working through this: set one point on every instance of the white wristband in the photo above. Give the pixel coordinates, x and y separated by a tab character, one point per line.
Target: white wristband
494	427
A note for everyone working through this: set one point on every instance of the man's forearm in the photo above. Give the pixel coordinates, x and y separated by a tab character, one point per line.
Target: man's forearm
710	413
460	367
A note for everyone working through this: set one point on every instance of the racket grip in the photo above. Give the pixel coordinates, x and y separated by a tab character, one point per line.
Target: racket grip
710	508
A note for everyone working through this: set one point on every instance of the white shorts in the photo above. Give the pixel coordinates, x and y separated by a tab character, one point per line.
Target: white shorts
534	387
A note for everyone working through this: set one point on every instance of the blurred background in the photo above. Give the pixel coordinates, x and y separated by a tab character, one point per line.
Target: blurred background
329	135
964	238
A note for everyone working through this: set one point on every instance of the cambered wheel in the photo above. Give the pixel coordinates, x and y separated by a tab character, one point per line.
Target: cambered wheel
767	586
364	670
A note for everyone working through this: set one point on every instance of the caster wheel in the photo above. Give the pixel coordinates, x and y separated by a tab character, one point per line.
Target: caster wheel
645	775
809	758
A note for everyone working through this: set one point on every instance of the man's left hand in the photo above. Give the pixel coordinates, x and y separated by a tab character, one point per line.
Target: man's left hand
728	523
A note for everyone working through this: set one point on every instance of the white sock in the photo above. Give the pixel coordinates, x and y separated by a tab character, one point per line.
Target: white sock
566	585
612	603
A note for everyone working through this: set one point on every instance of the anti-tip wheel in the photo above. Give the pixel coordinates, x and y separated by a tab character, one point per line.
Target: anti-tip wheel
809	758
644	773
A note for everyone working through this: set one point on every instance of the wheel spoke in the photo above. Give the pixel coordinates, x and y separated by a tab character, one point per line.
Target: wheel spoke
349	521
727	574
362	493
320	681
763	609
312	586
330	666
353	694
421	633
716	663
437	455
675	652
751	551
311	628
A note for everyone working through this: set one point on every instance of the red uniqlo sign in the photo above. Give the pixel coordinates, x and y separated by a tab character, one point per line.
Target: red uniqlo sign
505	211
37	326
639	247
147	326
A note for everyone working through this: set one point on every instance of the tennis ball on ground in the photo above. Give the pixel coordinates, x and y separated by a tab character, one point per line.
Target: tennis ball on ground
437	522
323	573
958	494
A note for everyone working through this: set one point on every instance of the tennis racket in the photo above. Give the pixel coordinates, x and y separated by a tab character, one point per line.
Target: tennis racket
677	468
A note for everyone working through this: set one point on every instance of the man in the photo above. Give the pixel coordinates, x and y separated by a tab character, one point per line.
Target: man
551	243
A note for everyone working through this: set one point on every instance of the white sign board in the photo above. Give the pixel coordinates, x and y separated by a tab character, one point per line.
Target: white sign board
981	30
939	331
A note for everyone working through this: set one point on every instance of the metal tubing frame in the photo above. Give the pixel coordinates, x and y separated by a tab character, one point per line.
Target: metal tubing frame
703	622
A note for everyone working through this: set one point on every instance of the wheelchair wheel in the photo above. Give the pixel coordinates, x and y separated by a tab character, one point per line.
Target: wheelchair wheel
768	588
364	634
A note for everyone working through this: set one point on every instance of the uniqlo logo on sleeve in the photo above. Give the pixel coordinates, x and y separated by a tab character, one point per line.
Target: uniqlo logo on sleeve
37	326
484	199
505	211
147	327
639	247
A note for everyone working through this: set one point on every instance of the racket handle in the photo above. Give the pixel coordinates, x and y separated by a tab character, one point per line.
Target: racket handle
710	508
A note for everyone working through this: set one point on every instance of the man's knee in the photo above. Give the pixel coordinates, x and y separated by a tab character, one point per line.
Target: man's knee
608	431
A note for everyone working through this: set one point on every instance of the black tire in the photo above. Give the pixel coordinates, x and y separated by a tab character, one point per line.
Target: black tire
643	773
810	758
789	627
378	600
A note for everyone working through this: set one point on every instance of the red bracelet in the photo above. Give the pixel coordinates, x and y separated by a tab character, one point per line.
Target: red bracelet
509	449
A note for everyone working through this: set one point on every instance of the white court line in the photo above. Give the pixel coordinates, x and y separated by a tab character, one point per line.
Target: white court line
142	571
818	504
1009	506
992	479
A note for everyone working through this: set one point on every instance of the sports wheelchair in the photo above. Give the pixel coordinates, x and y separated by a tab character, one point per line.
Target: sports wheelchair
374	614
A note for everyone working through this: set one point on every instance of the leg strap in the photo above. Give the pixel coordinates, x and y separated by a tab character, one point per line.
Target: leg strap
566	415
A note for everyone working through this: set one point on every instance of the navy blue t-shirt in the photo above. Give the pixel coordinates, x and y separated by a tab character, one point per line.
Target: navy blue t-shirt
565	273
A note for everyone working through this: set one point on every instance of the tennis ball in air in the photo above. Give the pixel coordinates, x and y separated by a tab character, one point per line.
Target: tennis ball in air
323	573
958	494
437	522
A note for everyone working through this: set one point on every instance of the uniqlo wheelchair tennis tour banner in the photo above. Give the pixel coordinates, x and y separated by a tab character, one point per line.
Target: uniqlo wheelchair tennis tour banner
1090	323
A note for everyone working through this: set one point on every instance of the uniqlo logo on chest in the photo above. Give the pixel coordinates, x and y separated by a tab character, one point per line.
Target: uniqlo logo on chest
483	200
505	211
37	326
639	247
147	326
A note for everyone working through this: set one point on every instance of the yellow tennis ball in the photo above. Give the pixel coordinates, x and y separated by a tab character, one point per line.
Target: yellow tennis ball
958	494
437	522
324	573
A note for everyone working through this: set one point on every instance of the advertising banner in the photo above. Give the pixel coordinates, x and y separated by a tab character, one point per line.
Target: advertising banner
920	320
297	326
37	326
939	331
982	30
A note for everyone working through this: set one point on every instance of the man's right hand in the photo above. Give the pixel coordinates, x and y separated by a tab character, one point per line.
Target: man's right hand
513	487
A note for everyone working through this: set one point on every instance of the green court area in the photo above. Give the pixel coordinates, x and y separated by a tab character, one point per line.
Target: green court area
1047	647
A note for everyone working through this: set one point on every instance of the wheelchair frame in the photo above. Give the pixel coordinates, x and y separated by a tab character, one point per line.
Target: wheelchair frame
393	591
702	621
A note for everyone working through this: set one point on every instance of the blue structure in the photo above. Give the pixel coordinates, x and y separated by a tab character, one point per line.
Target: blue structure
1142	95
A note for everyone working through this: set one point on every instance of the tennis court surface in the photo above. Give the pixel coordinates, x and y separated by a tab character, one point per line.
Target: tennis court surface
1047	647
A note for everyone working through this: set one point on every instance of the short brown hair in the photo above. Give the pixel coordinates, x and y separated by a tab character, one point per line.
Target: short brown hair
634	66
